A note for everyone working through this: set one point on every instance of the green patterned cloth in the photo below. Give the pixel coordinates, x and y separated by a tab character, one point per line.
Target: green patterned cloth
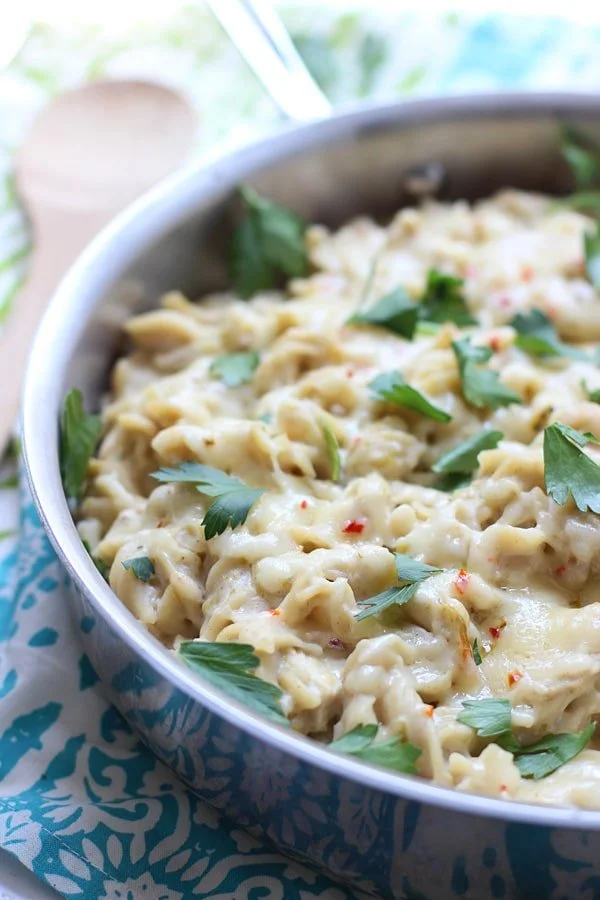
82	802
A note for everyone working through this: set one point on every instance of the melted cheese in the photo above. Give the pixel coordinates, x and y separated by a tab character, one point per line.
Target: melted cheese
289	579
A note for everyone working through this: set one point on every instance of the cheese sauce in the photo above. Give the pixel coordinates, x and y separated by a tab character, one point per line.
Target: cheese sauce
520	573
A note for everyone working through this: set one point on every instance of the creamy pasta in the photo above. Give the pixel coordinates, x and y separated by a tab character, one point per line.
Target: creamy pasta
520	574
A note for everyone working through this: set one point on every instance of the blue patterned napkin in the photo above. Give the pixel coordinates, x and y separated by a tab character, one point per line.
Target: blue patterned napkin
82	802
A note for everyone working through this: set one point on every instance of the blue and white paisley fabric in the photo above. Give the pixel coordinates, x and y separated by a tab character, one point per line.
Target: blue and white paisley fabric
83	803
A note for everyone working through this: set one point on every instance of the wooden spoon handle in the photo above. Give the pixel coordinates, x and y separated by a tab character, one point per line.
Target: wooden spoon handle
61	234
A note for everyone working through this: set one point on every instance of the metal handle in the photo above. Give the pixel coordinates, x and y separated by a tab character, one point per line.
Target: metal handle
262	39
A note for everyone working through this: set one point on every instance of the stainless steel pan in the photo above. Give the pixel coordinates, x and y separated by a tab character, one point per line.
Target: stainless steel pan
396	835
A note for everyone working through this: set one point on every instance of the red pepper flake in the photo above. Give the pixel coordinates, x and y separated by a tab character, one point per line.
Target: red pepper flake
503	789
304	504
349	373
274	612
161	523
462	581
471	272
356	441
353	527
505	301
513	677
551	312
428	710
496	630
336	644
560	570
526	273
495	343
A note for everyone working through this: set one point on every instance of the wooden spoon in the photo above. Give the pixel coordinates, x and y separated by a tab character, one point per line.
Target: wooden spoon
86	156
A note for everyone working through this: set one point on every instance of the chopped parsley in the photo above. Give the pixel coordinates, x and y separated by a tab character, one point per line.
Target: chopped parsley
333	452
489	717
411	574
480	386
233	499
229	667
547	755
391	754
582	160
141	566
537	336
444	301
476	653
102	567
235	368
462	460
396	312
591	243
585	201
592	395
568	470
268	243
492	718
79	436
392	388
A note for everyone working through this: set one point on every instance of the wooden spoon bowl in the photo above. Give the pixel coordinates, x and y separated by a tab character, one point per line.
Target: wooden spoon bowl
87	155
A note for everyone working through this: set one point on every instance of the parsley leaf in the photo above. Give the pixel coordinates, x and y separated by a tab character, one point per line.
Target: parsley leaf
583	162
444	301
391	754
451	483
230	509
537	335
391	387
235	368
463	459
79	436
396	312
356	740
476	653
591	243
333	452
545	756
480	386
234	499
594	395
567	469
141	566
408	570
394	596
492	718
489	717
214	482
102	567
227	667
268	242
586	201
